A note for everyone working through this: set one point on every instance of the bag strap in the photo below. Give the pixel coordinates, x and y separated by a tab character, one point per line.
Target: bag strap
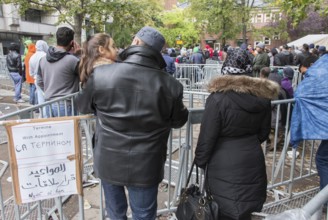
190	172
206	185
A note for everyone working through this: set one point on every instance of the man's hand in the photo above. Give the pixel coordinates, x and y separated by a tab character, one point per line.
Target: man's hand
75	49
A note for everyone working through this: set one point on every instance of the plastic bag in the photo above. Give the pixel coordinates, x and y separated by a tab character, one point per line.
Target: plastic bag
311	103
294	214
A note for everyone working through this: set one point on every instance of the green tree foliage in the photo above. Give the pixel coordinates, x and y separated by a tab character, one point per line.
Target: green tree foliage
131	13
299	18
297	10
225	17
128	18
176	24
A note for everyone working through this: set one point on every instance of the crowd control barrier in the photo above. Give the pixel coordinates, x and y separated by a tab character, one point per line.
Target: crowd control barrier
292	174
195	77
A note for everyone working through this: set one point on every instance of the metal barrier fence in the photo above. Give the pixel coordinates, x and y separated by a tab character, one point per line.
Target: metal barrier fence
285	170
195	77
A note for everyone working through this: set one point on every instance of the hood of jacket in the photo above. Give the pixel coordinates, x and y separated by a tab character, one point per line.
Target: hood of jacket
144	56
41	46
258	87
31	48
27	42
54	54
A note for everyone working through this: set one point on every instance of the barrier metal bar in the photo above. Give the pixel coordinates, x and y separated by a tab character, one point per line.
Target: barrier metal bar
2	171
194	77
187	144
316	202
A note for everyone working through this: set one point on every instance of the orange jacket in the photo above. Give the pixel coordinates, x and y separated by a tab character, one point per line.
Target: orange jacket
30	51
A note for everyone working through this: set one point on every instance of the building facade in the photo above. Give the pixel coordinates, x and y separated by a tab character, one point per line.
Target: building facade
262	17
34	24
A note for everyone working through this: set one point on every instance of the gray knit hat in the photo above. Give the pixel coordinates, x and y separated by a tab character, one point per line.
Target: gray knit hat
152	38
260	45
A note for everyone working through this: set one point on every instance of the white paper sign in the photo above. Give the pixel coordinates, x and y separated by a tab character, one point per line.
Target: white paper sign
42	151
37	142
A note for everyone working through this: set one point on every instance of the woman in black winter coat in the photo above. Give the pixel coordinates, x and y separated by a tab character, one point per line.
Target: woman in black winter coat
237	119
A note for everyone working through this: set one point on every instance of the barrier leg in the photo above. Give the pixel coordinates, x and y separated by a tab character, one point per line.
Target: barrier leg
102	216
81	208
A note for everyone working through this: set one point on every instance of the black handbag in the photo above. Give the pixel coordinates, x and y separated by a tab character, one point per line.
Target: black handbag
196	203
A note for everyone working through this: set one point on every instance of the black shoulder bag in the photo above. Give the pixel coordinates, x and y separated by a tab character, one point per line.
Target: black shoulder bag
196	203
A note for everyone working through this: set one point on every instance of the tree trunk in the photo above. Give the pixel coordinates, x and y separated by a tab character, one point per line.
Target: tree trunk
244	31
244	20
78	21
223	42
223	38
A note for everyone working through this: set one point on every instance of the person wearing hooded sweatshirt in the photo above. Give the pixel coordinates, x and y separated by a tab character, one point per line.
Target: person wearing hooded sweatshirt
41	49
284	58
286	82
58	75
26	43
29	78
210	50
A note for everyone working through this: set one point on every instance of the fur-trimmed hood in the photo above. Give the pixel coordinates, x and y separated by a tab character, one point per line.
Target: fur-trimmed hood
259	87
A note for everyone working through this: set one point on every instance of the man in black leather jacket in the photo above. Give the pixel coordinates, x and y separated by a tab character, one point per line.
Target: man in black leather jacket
14	65
136	104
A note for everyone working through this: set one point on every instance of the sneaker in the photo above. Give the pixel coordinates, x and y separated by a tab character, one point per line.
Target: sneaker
20	101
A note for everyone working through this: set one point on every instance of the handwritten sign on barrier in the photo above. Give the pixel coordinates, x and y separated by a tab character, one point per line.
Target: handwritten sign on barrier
45	158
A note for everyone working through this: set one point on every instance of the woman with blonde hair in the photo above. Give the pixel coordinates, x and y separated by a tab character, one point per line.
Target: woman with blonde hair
98	50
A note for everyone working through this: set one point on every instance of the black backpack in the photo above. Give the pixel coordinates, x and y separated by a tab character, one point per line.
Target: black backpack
184	59
207	54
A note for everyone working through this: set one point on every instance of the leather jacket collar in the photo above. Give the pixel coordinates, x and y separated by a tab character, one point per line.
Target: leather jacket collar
143	56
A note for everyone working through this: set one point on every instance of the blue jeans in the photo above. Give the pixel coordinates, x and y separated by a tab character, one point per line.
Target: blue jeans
321	161
61	107
143	201
33	95
17	79
40	100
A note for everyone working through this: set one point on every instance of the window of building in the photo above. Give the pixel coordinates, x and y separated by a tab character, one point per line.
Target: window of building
32	15
267	17
267	40
276	36
259	18
276	17
252	18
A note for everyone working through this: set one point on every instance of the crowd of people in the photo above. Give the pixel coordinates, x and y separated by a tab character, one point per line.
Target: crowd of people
137	102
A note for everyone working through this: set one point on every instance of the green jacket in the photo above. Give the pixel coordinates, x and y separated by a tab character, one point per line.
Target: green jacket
261	60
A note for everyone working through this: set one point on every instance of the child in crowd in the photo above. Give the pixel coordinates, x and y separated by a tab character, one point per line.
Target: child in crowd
98	50
286	82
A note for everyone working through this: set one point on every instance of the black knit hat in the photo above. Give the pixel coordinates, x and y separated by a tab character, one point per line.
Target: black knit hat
288	72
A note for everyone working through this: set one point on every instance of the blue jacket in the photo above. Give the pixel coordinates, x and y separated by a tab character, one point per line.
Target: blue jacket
310	114
197	58
170	65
